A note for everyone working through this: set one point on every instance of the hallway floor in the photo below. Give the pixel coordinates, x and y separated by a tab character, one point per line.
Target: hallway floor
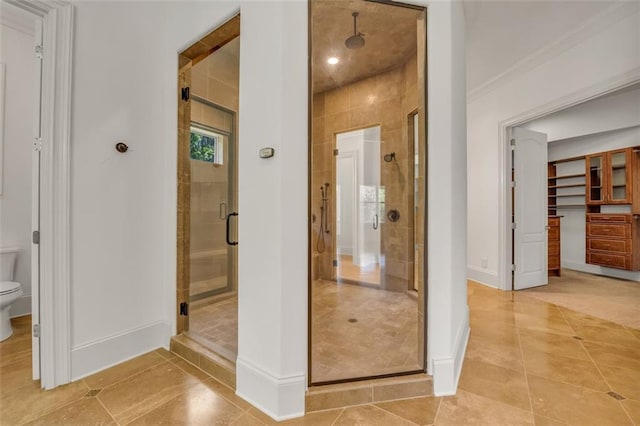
528	362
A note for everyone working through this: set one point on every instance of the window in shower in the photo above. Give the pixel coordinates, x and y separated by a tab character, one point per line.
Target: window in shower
206	145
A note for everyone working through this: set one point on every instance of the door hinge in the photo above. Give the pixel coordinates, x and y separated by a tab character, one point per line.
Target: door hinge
39	52
513	225
513	184
35	237
36	330
185	94
513	268
512	142
184	309
335	262
336	152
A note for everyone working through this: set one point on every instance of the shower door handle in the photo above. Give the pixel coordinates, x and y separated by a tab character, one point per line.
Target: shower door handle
375	221
231	243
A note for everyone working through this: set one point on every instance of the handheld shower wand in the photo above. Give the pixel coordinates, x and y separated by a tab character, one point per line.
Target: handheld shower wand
320	244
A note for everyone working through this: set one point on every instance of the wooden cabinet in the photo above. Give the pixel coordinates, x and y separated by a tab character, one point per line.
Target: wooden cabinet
609	177
553	239
612	241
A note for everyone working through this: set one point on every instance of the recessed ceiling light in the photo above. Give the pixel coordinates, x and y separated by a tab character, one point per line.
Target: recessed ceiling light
333	60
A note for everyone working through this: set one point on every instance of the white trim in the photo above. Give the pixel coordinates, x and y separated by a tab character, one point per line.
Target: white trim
590	28
446	371
281	398
17	19
2	102
21	307
483	276
55	189
504	170
103	353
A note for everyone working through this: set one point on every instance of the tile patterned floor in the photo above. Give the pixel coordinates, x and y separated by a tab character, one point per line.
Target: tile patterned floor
528	362
369	274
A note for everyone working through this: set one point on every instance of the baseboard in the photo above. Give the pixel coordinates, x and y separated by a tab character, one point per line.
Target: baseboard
21	307
446	371
483	276
100	354
601	270
279	398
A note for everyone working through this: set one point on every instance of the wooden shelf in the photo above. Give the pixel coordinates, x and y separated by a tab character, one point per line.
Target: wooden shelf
566	195
567	176
573	185
566	206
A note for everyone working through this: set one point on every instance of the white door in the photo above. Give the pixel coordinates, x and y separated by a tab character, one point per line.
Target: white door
530	208
35	210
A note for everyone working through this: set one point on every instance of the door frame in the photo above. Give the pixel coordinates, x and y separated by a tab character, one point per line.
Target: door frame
187	58
353	157
54	141
505	281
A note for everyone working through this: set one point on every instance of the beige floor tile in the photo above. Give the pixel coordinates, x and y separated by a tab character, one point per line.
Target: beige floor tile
199	405
84	412
615	356
16	374
227	393
574	404
552	343
633	410
30	402
165	354
247	420
548	323
421	411
564	369
139	394
369	415
122	371
545	421
479	349
469	409
613	336
319	418
494	382
623	381
635	332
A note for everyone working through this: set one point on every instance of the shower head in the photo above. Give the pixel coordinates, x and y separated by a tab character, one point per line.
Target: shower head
356	41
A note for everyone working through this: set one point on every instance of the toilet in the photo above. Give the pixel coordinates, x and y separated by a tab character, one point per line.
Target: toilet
10	291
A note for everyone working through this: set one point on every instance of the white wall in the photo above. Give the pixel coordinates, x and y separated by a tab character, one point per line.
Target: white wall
573	222
616	111
604	58
16	51
124	205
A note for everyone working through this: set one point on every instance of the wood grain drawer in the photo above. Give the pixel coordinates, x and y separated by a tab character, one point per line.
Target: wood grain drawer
611	260
610	230
622	246
554	233
602	217
554	248
554	221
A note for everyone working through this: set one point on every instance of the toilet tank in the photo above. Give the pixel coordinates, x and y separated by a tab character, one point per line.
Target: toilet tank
7	263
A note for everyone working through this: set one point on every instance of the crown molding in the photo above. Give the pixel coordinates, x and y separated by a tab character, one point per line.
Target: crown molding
613	14
17	19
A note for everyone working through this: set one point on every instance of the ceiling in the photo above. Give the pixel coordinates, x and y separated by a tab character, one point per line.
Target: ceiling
390	34
502	33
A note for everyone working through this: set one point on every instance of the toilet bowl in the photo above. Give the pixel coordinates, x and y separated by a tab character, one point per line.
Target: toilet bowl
10	291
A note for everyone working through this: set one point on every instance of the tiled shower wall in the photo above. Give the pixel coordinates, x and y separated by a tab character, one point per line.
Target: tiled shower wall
387	100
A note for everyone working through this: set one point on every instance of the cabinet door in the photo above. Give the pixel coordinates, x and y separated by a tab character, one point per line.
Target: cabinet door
595	179
619	177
